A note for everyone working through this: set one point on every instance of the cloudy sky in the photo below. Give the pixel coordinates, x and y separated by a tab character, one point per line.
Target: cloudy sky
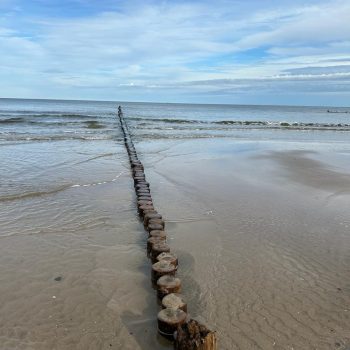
223	51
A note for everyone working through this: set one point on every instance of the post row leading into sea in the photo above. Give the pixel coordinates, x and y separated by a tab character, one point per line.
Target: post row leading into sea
174	322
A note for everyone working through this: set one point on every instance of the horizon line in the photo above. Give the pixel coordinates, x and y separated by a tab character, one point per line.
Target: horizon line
175	103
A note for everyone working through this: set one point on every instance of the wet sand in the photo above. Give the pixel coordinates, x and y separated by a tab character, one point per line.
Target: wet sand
261	231
73	271
263	236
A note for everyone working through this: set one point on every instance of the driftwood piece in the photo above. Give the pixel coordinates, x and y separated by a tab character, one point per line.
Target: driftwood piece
194	336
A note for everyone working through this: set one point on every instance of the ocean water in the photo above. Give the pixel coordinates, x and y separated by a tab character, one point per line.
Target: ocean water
49	120
62	128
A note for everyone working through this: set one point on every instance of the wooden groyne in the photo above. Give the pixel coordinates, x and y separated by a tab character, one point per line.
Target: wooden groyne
174	321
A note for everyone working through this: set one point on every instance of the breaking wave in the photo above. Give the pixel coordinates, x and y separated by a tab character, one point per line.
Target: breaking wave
242	123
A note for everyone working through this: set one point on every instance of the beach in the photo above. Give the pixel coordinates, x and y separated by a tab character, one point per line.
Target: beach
266	252
257	213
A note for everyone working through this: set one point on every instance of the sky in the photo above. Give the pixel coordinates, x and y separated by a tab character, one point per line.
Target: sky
289	52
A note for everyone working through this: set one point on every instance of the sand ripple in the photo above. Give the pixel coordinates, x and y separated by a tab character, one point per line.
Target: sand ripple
269	266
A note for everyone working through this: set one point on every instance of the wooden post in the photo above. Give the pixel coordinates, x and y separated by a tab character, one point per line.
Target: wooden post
154	240
153	227
174	301
169	257
158	248
151	216
162	268
169	320
144	207
157	233
168	284
156	222
194	336
143	201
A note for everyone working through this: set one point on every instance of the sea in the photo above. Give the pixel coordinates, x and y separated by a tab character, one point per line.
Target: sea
28	125
37	125
58	120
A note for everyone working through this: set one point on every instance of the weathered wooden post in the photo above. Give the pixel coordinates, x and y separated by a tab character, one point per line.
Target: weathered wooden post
169	320
162	268
169	257
158	248
194	336
168	284
157	233
174	301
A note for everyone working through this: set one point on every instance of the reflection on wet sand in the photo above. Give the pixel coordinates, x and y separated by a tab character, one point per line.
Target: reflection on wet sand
270	257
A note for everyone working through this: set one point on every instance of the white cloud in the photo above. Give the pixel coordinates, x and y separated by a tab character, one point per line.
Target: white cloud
199	46
310	26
